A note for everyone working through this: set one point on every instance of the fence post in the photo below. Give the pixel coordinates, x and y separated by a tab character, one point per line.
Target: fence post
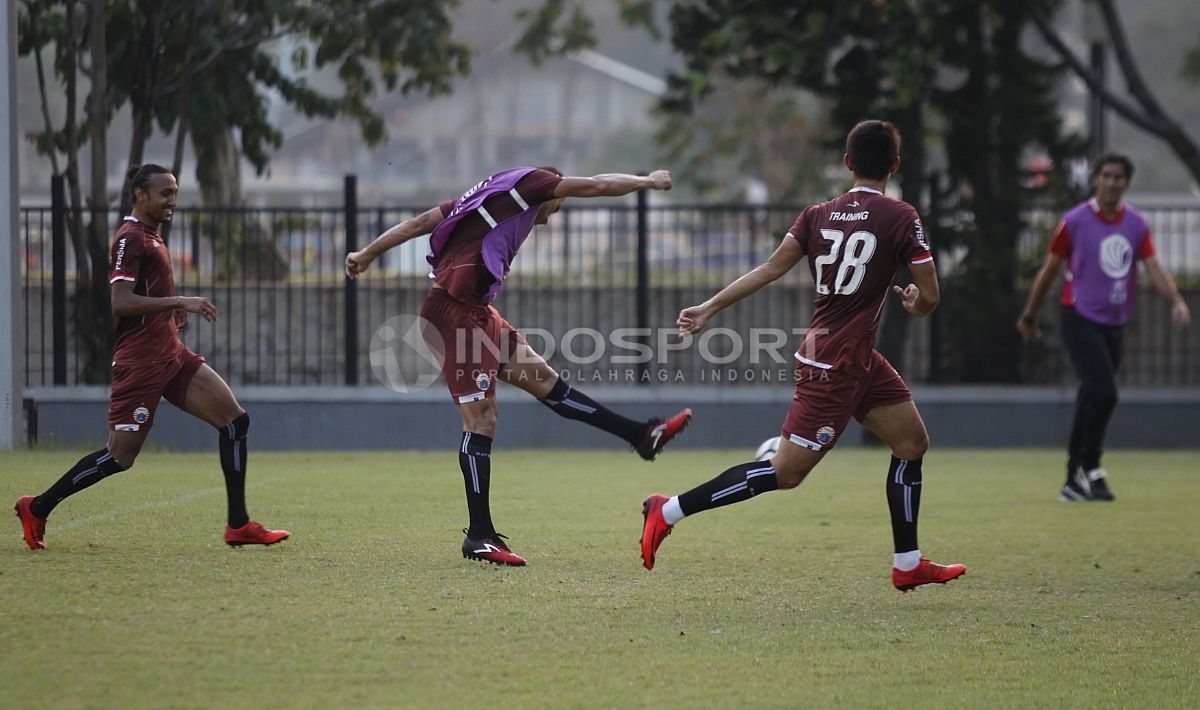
935	318
58	251
643	278
351	300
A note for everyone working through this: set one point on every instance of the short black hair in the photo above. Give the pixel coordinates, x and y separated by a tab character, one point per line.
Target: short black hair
551	169
873	147
1113	158
139	176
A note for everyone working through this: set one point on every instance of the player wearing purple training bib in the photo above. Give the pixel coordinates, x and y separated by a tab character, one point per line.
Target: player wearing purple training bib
854	244
1100	241
473	243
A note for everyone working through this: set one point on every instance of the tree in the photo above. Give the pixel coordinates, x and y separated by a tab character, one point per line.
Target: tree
212	59
955	79
1141	107
215	60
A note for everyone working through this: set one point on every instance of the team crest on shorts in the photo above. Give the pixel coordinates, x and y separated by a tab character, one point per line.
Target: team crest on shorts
825	435
482	381
141	415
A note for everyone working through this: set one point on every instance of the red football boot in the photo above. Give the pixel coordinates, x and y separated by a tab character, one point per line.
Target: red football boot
654	528
253	534
926	572
490	549
33	527
659	433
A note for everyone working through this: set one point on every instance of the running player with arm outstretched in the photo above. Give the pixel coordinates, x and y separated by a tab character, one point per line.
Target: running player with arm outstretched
854	245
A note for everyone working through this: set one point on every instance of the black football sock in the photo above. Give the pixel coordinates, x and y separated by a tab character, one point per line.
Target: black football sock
904	501
90	469
573	404
742	482
232	438
475	460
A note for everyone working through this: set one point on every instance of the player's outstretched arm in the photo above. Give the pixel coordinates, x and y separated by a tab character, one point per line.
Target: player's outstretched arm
612	184
1165	285
411	228
922	296
692	320
126	303
1027	324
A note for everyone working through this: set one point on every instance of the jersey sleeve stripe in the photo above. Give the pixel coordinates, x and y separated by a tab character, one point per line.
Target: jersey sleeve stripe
923	259
121	277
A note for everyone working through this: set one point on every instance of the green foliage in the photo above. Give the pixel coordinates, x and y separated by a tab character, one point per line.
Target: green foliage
554	28
921	64
219	52
780	602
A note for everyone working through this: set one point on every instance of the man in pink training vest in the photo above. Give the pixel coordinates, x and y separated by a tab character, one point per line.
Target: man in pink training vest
473	243
1100	241
854	245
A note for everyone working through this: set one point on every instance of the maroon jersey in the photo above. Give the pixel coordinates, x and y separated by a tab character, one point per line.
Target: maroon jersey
854	245
139	256
460	268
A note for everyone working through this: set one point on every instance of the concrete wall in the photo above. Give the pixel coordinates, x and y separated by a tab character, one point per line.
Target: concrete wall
375	418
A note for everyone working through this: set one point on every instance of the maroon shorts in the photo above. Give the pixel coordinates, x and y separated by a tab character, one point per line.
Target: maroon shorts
473	343
137	387
826	399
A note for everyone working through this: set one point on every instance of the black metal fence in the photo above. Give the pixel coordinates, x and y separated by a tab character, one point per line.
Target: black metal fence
289	317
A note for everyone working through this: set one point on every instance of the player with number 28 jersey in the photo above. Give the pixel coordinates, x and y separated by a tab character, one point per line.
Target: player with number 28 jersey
854	245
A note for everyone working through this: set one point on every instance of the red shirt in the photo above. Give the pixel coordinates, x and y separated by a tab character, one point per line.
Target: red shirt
460	269
854	245
139	255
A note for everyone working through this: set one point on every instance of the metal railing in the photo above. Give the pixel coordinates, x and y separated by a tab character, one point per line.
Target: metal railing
290	317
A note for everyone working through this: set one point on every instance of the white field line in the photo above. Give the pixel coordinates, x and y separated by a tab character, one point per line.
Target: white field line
154	505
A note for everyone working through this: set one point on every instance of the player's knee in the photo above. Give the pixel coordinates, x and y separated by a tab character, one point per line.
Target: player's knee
913	448
237	428
481	420
123	457
789	475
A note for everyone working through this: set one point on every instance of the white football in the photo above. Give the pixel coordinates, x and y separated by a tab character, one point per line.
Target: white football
767	449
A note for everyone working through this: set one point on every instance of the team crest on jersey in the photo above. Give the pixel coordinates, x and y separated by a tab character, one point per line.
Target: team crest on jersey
825	435
482	381
141	415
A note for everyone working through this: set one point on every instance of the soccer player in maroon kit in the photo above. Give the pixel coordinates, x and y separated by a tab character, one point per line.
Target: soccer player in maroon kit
854	244
474	240
149	363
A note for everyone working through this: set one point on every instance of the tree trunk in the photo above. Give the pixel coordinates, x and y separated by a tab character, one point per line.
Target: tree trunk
94	323
241	247
893	331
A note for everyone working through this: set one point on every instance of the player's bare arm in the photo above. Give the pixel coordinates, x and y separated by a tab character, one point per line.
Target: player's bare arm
411	228
788	254
921	297
1181	316
126	303
612	184
1027	324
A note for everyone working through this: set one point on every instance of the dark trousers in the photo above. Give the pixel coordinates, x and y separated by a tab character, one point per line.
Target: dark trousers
1095	352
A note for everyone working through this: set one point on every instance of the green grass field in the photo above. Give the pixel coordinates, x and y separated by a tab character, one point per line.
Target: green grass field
784	601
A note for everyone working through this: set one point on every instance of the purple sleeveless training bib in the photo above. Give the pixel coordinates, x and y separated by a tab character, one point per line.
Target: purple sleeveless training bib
1102	266
501	244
